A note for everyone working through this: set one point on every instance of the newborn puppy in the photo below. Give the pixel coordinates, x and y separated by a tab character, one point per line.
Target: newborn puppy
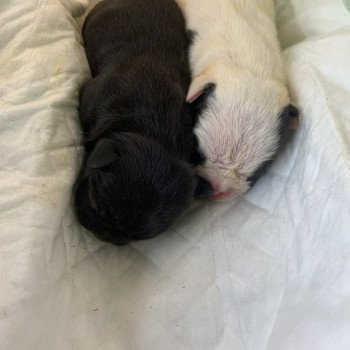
238	79
138	177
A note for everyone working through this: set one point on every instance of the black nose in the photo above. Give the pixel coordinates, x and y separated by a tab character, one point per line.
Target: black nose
203	189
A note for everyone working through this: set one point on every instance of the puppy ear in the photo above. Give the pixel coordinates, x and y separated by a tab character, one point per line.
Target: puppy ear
198	86
199	101
103	154
203	189
291	115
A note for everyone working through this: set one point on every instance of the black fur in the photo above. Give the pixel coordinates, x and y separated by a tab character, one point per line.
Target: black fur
139	138
289	112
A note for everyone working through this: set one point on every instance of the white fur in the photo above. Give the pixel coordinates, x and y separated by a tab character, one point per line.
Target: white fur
236	48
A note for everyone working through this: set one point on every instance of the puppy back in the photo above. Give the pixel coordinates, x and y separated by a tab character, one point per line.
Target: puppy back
118	30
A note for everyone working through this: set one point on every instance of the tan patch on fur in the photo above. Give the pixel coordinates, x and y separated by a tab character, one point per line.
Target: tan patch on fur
182	3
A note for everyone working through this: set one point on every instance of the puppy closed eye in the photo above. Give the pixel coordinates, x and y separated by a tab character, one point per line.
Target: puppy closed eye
203	189
259	172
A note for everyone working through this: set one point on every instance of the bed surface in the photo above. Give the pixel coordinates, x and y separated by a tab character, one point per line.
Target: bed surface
270	271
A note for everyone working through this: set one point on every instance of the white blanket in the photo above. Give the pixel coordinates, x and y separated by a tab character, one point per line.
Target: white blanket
270	271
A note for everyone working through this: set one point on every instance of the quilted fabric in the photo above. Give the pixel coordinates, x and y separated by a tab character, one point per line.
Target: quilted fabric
269	271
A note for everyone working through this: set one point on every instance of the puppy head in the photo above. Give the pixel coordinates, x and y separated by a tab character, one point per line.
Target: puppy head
132	189
243	121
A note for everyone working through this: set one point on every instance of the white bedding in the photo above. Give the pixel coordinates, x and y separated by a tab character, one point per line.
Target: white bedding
270	271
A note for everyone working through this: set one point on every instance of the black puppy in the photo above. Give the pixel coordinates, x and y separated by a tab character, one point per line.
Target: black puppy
139	173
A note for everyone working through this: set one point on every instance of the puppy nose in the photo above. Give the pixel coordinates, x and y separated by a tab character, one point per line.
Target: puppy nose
219	196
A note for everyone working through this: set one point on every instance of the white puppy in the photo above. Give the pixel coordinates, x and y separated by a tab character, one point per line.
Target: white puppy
238	74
